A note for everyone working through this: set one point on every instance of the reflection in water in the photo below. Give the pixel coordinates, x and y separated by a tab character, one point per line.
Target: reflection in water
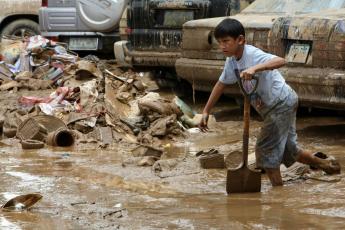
331	212
24	176
5	224
186	198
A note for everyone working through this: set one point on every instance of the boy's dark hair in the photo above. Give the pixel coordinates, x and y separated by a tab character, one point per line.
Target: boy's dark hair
229	27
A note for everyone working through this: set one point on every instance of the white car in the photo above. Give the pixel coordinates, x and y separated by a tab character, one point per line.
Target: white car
19	17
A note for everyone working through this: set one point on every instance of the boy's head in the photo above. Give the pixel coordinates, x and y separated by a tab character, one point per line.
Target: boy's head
230	35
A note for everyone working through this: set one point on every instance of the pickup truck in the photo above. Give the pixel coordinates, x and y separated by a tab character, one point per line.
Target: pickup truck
19	17
308	34
155	33
155	28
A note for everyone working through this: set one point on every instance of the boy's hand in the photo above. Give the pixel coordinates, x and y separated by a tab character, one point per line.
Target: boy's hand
203	123
248	74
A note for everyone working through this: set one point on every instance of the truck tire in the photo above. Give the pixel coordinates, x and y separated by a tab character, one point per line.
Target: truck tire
21	28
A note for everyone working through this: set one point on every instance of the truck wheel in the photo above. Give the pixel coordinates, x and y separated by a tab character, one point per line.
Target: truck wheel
21	28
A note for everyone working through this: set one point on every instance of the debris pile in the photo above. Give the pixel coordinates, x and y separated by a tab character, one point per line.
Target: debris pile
90	101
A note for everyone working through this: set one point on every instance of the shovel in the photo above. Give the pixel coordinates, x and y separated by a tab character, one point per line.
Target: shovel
242	179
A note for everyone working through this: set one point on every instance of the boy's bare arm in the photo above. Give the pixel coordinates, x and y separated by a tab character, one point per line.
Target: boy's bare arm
217	91
274	63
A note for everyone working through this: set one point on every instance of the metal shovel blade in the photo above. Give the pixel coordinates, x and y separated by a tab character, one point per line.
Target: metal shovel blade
243	180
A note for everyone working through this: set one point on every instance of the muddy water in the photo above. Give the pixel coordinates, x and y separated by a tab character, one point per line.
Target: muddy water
90	188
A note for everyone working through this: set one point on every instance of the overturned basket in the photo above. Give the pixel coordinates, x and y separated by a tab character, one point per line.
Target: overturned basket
37	127
30	129
51	123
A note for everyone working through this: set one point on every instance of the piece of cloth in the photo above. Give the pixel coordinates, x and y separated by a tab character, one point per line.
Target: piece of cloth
271	88
277	141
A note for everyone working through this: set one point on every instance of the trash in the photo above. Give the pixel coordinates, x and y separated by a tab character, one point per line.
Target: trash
165	165
82	127
5	72
144	150
147	161
65	155
10	50
118	205
294	172
186	110
153	103
88	93
61	137
60	50
22	202
106	135
53	74
37	42
32	144
9	85
2	120
194	130
24	61
30	129
87	70
211	159
164	126
176	167
10	124
9	132
124	97
134	129
50	123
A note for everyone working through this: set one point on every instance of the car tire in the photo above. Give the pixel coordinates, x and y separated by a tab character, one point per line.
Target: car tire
21	28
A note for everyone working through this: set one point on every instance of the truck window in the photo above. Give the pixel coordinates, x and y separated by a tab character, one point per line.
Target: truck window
172	18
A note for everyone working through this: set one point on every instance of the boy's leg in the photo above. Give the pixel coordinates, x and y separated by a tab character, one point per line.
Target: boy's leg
274	176
329	165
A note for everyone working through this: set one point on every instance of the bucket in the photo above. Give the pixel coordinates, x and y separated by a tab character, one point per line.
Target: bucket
60	137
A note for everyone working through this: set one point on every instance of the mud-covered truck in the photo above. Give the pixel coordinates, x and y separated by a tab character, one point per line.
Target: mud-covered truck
155	33
311	39
155	29
19	17
85	25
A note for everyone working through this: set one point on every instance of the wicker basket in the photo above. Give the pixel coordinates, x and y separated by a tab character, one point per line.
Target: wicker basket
32	144
51	123
31	129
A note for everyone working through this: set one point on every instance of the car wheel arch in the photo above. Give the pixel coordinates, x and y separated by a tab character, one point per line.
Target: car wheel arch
12	18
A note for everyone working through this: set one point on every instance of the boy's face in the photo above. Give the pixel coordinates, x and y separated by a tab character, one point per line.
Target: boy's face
231	46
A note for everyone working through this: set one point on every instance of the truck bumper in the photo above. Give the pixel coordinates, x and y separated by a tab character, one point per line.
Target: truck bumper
316	87
146	58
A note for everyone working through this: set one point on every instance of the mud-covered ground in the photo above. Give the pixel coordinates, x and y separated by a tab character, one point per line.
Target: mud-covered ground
87	187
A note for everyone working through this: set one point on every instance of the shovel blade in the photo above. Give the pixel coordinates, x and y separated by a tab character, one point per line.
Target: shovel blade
243	180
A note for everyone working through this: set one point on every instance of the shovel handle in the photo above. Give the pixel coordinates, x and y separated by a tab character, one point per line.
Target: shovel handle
246	121
246	112
246	118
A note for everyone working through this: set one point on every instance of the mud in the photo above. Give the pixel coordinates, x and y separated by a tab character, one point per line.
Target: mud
86	187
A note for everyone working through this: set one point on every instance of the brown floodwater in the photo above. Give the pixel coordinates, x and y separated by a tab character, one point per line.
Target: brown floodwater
90	188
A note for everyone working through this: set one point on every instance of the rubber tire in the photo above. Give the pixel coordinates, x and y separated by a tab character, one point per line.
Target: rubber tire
18	24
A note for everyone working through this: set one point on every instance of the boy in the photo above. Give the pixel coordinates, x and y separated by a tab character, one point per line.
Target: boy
274	100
